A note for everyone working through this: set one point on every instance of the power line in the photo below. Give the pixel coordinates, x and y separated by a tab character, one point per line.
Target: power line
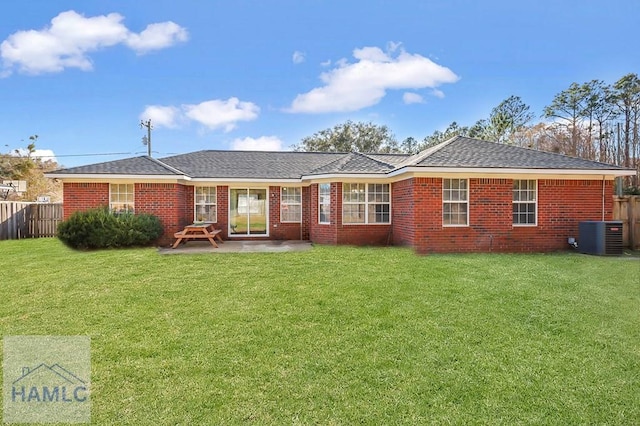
82	155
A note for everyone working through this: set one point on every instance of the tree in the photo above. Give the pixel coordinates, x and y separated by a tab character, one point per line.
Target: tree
509	117
569	106
351	137
601	110
14	166
452	130
22	165
409	146
479	129
627	100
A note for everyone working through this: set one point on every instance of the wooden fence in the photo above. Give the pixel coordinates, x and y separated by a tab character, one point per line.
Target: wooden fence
627	210
29	220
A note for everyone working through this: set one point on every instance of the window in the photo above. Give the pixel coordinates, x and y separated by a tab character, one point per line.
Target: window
121	198
324	203
365	203
206	209
291	204
524	202
455	202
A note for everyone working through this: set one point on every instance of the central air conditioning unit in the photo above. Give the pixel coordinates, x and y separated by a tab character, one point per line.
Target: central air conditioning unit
600	237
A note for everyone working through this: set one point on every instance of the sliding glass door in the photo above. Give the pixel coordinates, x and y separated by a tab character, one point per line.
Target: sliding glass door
248	211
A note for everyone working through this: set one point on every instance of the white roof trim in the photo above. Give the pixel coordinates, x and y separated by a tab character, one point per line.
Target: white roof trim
512	171
247	180
381	175
369	176
114	176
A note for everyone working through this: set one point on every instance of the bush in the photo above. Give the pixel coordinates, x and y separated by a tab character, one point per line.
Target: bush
631	190
99	228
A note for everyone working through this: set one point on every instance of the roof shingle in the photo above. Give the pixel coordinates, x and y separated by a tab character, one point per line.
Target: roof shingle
458	152
474	153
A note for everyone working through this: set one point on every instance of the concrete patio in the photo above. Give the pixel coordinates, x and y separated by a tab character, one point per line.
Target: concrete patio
238	247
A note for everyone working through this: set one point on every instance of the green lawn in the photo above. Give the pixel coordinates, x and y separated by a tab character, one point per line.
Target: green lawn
338	335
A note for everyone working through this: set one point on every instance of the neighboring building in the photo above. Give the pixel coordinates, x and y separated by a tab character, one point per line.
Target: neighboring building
462	195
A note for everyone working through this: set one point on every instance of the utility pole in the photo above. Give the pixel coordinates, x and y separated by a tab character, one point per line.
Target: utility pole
146	140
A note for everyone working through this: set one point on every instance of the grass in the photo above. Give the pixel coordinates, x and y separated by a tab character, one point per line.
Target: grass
338	335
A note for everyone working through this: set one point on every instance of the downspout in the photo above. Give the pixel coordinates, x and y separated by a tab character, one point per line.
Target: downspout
603	198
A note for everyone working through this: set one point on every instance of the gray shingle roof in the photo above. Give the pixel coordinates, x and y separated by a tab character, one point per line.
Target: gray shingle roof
467	152
250	164
353	163
458	152
129	166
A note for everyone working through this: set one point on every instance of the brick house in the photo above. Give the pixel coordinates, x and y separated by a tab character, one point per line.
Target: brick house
463	195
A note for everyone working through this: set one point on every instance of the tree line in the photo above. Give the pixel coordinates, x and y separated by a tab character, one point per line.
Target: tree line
593	120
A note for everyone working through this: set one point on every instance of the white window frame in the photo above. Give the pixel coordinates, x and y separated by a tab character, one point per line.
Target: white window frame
521	196
119	195
207	200
365	199
324	199
453	196
290	201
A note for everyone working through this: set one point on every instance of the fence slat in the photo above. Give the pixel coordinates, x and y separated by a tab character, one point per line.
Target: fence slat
627	210
29	220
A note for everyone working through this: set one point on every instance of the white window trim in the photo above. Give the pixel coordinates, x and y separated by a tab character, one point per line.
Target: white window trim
366	203
133	194
468	201
320	204
525	225
196	204
282	204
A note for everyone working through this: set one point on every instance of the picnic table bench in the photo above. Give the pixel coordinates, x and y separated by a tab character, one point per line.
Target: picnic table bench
204	231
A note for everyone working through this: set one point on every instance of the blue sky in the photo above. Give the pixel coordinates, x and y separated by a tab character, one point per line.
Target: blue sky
264	74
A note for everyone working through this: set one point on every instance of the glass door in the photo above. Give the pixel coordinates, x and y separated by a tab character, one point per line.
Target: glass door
248	210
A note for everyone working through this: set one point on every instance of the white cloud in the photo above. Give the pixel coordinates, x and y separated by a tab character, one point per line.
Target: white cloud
353	86
298	57
325	63
213	114
437	93
71	36
222	114
157	36
162	116
263	143
412	98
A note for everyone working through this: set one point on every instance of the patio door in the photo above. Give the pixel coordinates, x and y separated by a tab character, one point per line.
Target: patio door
248	211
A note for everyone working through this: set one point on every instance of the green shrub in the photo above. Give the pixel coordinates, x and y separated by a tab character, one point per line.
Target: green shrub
631	190
99	228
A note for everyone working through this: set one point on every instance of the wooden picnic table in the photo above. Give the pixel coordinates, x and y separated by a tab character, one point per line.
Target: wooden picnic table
198	231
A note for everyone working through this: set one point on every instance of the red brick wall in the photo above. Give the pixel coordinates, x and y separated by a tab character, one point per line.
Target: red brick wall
168	201
323	233
84	196
402	211
277	229
561	205
416	214
222	198
306	212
